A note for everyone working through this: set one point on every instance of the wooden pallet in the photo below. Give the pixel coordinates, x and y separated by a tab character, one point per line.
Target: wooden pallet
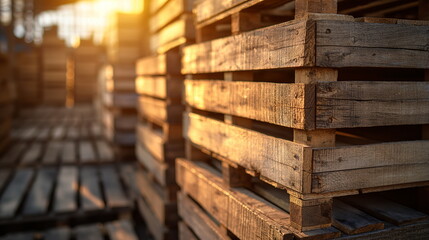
114	230
214	210
290	104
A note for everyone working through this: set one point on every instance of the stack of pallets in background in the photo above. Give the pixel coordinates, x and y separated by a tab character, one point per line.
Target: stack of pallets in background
28	78
159	130
119	99
299	129
54	69
6	107
86	66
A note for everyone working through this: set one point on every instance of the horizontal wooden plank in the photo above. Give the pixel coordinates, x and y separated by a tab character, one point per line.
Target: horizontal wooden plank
163	173
277	159
366	104
156	4
289	105
160	111
121	230
358	44
370	155
172	10
168	63
278	46
240	211
177	33
165	87
66	189
156	228
14	193
123	100
369	177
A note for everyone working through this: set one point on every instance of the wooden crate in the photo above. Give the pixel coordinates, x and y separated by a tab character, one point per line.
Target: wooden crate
316	105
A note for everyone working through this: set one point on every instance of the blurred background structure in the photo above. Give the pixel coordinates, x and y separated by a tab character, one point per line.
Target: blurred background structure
214	119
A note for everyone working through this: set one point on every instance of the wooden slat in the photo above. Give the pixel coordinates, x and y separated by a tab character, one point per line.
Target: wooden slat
356	44
13	154
385	209
43	134
168	63
104	151
72	133
197	219
172	10
277	159
14	193
121	230
61	233
289	105
86	152
157	229
369	177
88	232
240	211
160	111
58	132
4	176
52	152
353	221
115	195
367	104
185	233
32	154
151	140
160	86
90	193
65	192
162	173
68	154
37	201
278	46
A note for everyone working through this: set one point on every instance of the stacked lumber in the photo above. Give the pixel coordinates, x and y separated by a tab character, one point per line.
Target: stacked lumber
87	63
6	98
159	129
54	69
119	99
28	78
291	123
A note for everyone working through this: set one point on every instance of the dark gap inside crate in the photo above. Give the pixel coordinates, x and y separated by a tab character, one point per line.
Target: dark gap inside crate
380	74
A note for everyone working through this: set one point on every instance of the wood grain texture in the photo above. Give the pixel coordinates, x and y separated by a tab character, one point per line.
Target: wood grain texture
370	156
113	191
168	63
157	229
277	159
200	223
289	105
165	87
240	211
357	44
367	104
278	46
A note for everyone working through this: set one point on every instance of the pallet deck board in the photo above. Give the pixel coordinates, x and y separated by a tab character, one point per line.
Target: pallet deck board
121	230
13	154
115	196
32	154
65	192
14	193
52	152
90	193
86	152
61	233
37	201
88	232
68	154
104	152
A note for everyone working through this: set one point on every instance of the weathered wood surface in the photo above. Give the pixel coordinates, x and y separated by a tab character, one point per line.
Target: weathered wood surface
163	173
14	193
279	46
352	220
177	33
159	111
173	9
157	229
277	159
90	193
200	223
240	211
289	105
13	154
357	44
65	193
115	195
367	104
152	141
37	201
121	230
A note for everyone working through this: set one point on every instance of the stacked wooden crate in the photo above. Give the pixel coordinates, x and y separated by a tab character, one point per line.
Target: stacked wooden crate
159	85
54	69
283	118
6	98
28	78
86	65
118	95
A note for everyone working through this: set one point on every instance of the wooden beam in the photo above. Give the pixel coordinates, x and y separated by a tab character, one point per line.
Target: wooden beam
303	7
